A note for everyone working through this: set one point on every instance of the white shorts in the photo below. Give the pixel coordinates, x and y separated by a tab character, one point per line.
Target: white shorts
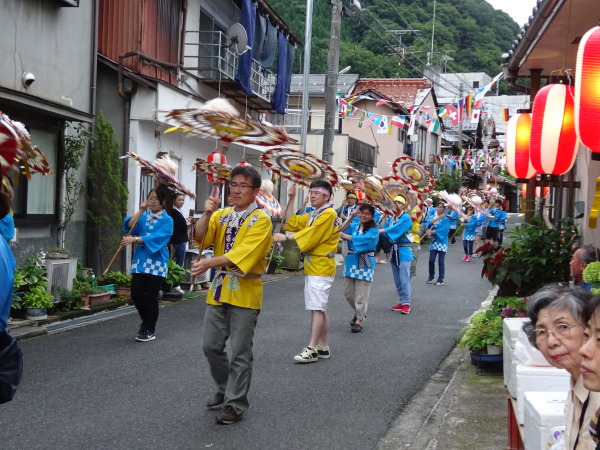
316	292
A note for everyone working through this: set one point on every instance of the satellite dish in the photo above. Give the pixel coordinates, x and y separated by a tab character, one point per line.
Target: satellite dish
238	38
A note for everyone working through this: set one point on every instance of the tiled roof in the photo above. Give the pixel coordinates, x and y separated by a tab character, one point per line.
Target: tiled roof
400	90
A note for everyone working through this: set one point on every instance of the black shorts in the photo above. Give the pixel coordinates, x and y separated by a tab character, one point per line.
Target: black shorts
384	244
491	234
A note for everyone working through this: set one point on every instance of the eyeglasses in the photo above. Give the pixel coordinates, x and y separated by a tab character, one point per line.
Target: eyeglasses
562	330
240	186
365	213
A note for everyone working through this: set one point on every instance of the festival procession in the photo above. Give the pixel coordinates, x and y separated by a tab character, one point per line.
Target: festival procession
195	228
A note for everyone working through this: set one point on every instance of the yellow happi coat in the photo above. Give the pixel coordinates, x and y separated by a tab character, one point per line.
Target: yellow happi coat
316	241
248	253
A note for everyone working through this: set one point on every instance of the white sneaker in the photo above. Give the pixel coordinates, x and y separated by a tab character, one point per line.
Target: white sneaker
308	355
178	289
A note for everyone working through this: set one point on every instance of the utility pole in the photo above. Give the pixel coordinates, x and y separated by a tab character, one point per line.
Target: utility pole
331	78
460	115
306	77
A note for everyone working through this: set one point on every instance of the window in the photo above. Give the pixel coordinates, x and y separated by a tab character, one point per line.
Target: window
35	198
401	134
475	84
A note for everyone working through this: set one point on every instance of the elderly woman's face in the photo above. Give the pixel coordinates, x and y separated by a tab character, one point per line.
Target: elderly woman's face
559	336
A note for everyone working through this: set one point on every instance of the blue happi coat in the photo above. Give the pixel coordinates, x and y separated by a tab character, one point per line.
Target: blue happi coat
153	256
360	261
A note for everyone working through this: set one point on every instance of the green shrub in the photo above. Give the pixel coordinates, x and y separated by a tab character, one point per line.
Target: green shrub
535	256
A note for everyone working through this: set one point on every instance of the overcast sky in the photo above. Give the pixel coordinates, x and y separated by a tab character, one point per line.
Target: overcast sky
519	10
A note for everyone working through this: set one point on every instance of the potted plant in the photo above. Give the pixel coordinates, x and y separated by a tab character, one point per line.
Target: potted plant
121	281
274	259
36	301
57	253
28	276
535	256
99	295
591	276
175	276
481	332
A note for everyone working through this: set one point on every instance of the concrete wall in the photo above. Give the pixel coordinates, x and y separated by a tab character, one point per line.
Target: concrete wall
53	43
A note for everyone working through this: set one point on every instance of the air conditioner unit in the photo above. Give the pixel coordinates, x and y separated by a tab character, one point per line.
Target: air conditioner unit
190	257
60	274
434	169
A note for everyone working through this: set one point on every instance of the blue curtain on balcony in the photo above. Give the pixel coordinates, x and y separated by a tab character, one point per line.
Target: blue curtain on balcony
290	66
248	21
279	99
267	55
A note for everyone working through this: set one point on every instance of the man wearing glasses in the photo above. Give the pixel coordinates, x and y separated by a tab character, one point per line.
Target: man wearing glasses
241	236
317	235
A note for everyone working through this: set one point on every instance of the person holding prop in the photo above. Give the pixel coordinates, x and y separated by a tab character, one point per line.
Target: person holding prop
317	235
151	231
241	236
398	230
359	265
11	360
438	233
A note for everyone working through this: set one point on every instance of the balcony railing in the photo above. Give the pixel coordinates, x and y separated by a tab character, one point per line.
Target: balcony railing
209	54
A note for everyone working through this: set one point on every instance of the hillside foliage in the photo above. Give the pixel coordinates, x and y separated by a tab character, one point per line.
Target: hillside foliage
470	32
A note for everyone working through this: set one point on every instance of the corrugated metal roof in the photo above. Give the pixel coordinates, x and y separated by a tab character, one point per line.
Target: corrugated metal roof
316	84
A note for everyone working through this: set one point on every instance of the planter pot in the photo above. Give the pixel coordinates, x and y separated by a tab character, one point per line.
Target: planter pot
56	256
494	350
124	292
271	268
99	299
36	313
172	296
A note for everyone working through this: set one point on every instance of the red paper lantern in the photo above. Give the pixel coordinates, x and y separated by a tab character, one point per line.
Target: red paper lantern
244	163
553	146
518	131
217	158
587	90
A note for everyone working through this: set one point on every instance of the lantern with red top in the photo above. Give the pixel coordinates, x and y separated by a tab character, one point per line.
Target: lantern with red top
518	131
218	158
244	163
553	146
587	90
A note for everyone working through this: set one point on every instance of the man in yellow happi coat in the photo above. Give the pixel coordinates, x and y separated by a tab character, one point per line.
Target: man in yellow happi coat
317	235
241	236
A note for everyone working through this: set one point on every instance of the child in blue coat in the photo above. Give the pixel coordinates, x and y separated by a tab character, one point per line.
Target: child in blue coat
438	233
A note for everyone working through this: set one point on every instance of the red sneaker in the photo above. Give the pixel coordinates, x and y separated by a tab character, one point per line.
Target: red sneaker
405	309
465	258
398	307
468	259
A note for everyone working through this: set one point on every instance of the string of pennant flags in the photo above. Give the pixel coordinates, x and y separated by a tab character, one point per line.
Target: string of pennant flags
470	159
468	106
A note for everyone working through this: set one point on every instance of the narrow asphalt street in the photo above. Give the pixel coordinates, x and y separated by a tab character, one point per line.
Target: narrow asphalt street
95	387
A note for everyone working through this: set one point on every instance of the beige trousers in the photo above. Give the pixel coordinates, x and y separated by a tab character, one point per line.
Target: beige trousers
357	295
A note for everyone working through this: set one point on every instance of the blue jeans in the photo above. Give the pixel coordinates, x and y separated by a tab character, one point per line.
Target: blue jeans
179	253
401	273
468	247
441	262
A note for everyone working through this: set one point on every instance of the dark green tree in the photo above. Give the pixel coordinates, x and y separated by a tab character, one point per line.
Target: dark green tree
107	192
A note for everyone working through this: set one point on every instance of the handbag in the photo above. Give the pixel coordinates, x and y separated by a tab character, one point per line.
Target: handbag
11	367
